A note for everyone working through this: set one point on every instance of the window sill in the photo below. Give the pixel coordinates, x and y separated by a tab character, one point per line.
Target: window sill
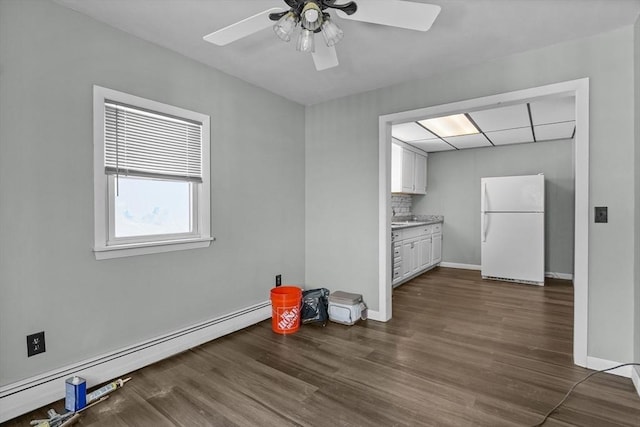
134	249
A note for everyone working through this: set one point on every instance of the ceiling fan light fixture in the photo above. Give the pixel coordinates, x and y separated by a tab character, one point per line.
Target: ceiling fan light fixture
305	41
311	16
331	32
285	26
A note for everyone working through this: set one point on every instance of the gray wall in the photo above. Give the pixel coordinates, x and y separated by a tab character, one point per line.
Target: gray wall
49	279
454	191
342	170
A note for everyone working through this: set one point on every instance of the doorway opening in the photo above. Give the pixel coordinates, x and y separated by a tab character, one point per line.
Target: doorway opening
576	88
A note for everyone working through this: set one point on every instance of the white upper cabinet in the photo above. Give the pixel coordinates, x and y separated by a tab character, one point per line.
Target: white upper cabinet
420	175
408	171
396	168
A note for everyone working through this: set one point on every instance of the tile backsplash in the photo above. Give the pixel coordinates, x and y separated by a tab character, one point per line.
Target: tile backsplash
401	204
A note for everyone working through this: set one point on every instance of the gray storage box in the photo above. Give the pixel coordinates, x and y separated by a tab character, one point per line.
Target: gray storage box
346	308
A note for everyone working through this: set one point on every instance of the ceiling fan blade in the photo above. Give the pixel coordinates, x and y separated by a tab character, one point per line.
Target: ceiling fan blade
395	13
324	57
243	28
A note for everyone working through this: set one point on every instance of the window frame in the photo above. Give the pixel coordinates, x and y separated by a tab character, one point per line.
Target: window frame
112	239
105	246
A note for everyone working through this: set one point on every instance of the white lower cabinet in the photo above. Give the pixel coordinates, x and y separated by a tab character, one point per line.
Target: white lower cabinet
415	249
396	261
436	244
409	258
425	252
436	248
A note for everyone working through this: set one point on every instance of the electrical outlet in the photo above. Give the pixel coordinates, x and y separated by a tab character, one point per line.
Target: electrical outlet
35	344
600	214
278	280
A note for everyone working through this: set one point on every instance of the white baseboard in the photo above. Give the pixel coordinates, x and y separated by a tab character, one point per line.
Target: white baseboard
460	266
635	377
599	364
29	394
374	315
564	276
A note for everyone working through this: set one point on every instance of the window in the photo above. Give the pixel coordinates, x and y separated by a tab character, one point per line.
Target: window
151	176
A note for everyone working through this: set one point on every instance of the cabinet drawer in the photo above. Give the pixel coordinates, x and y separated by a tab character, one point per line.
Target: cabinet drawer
396	250
396	273
437	228
426	229
395	236
411	233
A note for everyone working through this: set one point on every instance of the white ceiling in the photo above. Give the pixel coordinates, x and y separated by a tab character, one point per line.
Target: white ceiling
466	32
540	120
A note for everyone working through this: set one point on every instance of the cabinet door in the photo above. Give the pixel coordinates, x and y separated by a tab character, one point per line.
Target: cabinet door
408	171
396	168
420	175
396	256
425	252
436	248
406	267
397	276
417	256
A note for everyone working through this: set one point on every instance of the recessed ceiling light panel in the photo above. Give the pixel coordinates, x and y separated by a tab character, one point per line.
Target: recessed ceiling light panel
455	125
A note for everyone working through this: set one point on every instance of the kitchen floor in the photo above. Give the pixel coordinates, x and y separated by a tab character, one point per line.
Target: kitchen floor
459	351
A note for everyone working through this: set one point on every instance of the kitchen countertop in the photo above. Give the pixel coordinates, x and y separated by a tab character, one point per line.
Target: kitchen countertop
400	223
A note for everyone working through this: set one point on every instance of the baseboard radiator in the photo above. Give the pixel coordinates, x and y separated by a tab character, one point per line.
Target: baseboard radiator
29	394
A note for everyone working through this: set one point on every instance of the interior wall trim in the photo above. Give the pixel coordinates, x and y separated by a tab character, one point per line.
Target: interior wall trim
578	88
460	266
374	315
598	364
562	276
635	377
553	275
23	396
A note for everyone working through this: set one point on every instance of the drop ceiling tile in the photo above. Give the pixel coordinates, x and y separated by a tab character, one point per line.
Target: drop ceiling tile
452	125
433	145
511	117
553	110
469	141
554	131
412	131
511	136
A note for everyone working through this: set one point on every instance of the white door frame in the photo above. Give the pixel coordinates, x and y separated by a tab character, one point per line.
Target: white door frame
580	89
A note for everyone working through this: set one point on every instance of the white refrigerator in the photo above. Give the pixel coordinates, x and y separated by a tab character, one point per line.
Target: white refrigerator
512	228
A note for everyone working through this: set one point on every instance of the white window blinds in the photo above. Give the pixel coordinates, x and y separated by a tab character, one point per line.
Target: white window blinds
145	143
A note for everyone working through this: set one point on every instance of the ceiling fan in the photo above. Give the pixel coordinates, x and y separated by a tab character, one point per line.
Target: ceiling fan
312	16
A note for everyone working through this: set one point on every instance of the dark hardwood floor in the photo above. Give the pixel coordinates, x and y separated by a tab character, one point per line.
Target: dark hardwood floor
459	351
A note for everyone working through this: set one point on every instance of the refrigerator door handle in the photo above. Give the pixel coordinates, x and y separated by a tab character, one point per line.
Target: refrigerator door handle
484	197
484	226
484	211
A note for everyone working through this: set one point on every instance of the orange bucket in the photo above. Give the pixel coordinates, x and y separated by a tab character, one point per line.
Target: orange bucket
285	309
